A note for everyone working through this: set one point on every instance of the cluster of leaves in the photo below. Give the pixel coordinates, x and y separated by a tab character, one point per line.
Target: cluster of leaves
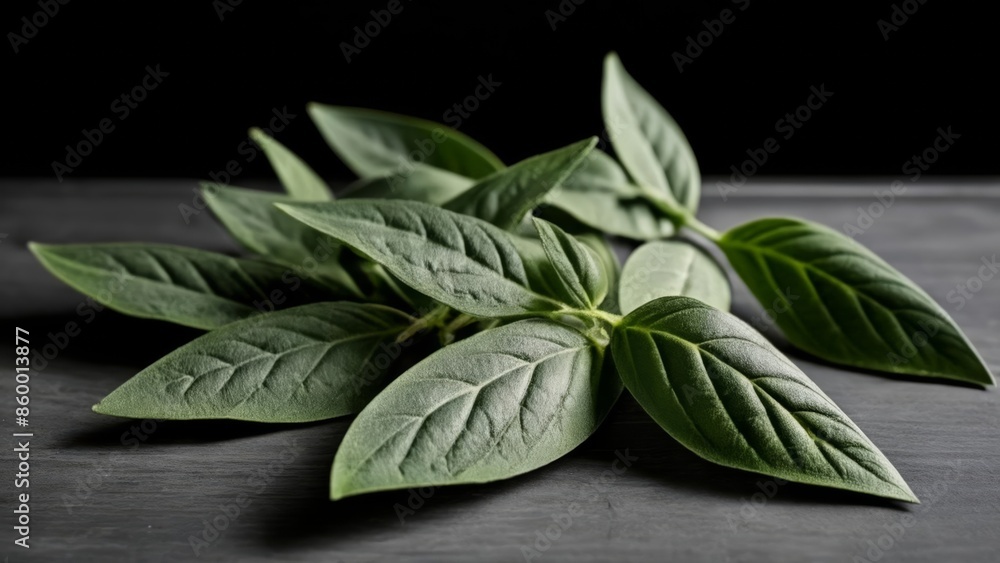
538	329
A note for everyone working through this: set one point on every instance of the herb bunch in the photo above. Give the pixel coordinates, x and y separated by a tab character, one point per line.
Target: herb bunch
538	329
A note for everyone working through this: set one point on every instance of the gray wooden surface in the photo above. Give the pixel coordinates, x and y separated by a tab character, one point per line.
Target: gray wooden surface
97	499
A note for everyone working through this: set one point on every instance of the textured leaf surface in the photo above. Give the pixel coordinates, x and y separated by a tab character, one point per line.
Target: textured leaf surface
505	197
172	283
646	138
295	175
580	273
498	404
424	183
376	143
252	219
666	268
600	195
723	391
461	261
839	301
308	363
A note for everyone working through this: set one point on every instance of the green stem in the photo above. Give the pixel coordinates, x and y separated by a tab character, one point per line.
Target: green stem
447	334
434	318
703	229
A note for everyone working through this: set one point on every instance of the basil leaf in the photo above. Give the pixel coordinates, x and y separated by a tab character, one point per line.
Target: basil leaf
496	405
461	261
308	363
724	392
610	265
647	140
172	283
665	268
506	196
837	300
298	179
583	283
377	143
252	219
600	195
424	183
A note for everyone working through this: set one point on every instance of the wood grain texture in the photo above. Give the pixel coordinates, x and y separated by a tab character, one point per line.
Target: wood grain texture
97	499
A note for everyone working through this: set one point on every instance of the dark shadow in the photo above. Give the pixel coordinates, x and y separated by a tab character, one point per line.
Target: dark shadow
803	355
310	517
109	338
120	432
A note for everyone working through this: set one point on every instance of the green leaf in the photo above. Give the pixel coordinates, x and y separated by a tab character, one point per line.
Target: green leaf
581	275
724	392
376	143
298	179
647	139
461	261
424	183
252	219
599	194
308	363
172	283
837	300
611	266
496	405
666	268
506	196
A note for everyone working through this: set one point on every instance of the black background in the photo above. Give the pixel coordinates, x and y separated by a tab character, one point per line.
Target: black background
226	75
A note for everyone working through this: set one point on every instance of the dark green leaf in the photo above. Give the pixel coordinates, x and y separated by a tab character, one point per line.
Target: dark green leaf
252	219
308	363
376	143
665	268
172	283
837	300
581	275
298	179
424	183
600	195
498	404
723	391
647	140
461	261
505	197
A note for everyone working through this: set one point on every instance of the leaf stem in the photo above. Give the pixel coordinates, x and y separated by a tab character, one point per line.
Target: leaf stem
434	318
702	229
447	334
